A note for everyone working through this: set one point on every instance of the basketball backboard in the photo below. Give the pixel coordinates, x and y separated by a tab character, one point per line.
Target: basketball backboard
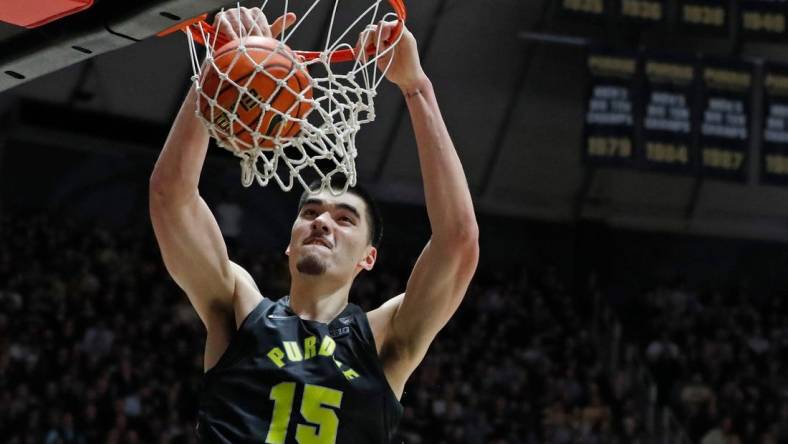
105	26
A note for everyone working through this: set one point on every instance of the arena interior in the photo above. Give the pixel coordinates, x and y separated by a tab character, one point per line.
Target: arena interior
627	161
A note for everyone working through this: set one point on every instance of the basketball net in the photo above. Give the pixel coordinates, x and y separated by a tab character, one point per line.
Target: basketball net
342	100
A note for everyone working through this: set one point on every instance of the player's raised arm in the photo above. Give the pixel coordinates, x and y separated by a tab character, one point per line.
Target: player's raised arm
189	237
443	272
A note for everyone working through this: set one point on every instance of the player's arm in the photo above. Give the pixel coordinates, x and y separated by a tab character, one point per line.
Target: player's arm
189	238
191	243
409	322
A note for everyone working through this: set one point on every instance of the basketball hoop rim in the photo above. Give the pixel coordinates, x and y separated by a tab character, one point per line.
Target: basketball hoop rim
199	27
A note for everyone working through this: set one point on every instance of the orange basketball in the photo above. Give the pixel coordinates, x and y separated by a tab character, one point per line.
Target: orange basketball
259	69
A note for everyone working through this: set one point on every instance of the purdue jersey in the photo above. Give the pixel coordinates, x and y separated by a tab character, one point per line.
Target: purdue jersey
285	380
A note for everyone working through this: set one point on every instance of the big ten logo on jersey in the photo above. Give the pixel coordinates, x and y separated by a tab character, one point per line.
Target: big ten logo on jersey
293	352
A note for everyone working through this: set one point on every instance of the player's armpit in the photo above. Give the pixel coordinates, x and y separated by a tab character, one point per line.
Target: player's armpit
246	295
243	274
380	319
194	253
406	325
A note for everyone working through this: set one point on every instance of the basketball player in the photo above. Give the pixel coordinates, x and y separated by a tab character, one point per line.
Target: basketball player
311	367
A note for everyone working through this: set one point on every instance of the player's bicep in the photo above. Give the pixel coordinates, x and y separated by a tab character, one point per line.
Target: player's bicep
194	253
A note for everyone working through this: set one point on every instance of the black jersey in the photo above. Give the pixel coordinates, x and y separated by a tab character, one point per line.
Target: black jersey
285	380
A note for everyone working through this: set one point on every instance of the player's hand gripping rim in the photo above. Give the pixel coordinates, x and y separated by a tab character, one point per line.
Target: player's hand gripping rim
242	22
403	62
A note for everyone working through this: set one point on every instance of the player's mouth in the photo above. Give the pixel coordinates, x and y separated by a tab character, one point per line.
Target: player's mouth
318	241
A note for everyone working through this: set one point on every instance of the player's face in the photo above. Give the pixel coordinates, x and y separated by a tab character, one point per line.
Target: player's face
331	236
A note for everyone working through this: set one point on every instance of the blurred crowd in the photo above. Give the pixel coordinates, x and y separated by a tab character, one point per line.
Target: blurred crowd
98	345
718	358
518	364
95	346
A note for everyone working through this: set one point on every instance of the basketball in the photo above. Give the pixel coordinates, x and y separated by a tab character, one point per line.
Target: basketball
263	71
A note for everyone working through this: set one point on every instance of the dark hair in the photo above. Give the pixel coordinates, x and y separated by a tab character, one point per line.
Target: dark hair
374	220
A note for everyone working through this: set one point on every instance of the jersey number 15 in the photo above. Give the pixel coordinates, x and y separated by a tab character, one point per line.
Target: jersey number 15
316	408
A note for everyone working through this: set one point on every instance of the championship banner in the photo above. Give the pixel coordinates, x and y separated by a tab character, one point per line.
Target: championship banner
667	122
584	8
610	113
703	16
643	11
774	150
724	133
764	19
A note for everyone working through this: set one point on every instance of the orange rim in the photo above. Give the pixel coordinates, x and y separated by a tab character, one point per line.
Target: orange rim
198	27
182	25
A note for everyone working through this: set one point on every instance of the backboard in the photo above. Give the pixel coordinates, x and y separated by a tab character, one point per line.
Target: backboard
105	26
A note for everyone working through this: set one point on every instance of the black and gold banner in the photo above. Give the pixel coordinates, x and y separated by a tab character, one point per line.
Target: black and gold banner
611	106
764	19
668	125
726	91
584	8
704	16
774	150
644	11
755	19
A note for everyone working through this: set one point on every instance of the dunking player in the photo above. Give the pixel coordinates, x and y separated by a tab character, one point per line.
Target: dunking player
311	367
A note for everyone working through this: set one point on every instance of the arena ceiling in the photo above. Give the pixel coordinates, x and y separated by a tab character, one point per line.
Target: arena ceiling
514	107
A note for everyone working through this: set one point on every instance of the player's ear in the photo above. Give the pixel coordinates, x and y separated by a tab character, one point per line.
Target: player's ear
369	259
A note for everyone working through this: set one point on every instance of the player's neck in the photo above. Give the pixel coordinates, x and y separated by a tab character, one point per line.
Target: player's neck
314	300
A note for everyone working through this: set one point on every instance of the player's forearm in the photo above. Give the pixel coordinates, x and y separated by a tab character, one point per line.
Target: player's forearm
177	171
448	199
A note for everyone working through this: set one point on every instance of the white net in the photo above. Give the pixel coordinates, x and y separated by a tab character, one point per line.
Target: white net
339	98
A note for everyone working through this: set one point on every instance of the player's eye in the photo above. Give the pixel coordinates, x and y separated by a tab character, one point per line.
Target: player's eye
347	219
308	212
